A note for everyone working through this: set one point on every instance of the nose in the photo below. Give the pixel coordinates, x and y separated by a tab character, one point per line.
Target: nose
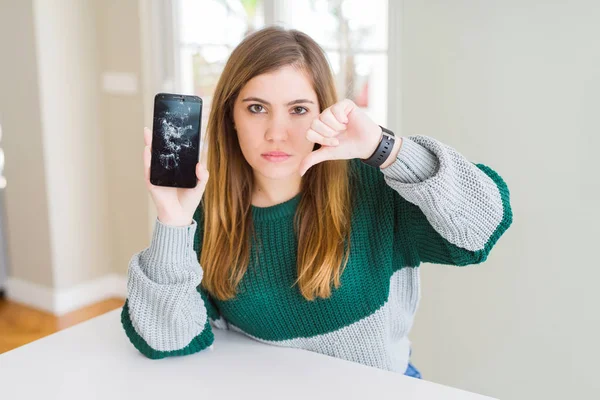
277	128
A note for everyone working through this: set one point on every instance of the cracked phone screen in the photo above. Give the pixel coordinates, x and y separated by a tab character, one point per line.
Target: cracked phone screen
175	142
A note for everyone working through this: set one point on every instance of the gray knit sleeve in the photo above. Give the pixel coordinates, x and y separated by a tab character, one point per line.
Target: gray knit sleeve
165	314
465	204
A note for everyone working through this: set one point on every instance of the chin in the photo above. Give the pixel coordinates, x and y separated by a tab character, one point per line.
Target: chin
280	174
274	171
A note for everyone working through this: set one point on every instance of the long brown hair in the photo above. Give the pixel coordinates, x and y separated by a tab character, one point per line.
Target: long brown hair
322	220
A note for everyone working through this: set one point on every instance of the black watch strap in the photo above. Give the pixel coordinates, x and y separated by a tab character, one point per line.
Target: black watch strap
384	149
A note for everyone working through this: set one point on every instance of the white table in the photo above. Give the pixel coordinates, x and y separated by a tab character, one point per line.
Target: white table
94	360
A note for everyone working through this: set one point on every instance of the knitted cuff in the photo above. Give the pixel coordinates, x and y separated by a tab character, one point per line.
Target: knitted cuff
171	244
413	164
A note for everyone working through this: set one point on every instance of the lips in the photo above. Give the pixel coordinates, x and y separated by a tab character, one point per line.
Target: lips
276	156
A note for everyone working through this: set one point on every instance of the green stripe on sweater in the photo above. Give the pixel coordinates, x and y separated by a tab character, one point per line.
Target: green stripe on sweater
200	342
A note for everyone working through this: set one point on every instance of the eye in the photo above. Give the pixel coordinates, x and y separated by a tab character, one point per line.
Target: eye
256	108
300	110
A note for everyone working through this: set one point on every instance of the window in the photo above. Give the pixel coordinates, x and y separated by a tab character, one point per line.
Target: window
208	32
354	37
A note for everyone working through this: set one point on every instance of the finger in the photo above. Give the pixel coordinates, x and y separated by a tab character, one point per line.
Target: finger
203	175
315	137
198	171
201	172
329	119
147	136
320	127
341	110
316	157
147	158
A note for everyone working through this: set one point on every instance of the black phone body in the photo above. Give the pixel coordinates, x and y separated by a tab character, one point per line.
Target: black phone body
175	140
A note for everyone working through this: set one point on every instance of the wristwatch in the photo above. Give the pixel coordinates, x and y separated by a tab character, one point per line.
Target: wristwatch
384	149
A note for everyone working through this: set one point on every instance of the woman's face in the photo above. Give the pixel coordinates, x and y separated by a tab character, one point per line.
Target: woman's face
272	114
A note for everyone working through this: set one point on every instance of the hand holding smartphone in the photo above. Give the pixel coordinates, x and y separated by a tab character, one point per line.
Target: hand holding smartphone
175	178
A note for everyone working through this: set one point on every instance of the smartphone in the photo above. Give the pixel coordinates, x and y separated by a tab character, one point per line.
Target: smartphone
175	140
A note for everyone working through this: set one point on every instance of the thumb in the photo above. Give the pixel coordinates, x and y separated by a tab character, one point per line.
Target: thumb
316	157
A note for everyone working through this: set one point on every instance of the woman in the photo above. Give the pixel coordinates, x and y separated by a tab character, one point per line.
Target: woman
312	228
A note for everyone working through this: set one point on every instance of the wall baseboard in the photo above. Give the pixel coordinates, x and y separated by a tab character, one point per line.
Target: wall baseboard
62	301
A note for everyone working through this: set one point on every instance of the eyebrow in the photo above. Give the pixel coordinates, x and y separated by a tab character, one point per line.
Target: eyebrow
291	103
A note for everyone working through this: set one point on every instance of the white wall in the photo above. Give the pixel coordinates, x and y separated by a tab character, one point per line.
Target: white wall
76	204
516	85
119	50
26	224
73	145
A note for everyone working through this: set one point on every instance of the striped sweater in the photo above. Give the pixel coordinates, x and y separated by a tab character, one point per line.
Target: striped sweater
430	205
